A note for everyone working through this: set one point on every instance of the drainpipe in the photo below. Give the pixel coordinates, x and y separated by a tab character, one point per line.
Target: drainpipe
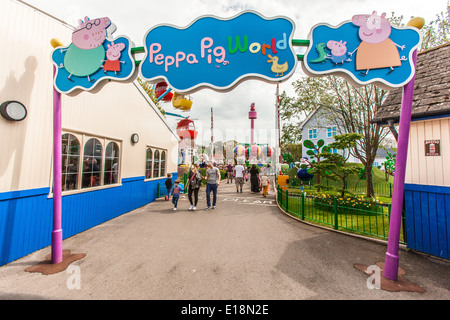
394	132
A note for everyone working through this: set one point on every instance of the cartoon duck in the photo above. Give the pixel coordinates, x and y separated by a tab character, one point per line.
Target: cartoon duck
277	68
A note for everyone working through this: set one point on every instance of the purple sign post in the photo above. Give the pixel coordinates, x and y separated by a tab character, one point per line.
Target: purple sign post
391	259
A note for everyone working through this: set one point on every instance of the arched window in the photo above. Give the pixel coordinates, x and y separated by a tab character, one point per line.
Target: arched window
70	161
156	164
111	175
149	164
92	163
163	163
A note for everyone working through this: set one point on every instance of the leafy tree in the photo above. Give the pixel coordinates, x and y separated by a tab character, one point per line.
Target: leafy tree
333	165
437	31
151	93
316	151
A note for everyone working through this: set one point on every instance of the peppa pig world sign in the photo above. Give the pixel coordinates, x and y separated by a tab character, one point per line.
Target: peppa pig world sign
365	50
220	53
210	52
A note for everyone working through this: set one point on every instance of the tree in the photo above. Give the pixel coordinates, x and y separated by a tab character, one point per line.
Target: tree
151	93
349	109
334	165
436	32
315	152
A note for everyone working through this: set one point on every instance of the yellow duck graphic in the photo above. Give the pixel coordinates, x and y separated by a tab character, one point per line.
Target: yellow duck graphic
277	68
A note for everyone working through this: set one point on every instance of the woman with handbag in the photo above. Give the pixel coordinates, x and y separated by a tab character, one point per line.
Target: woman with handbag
195	182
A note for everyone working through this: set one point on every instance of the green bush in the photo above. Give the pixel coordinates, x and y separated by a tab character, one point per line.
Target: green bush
348	204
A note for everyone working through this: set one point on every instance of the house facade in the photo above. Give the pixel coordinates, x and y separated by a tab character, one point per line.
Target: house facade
318	126
117	147
427	180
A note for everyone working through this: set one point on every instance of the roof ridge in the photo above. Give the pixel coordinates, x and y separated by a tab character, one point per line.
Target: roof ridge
435	48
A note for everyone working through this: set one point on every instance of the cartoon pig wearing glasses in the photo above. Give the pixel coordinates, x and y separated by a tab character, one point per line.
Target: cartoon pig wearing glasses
86	54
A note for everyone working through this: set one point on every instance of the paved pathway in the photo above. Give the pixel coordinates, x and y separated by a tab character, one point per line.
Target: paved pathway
244	249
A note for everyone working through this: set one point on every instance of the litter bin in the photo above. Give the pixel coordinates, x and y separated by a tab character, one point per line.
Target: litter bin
283	181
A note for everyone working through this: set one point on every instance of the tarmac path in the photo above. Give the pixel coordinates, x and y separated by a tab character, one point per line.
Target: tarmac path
245	249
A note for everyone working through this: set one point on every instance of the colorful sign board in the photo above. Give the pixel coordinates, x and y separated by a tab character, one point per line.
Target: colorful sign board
219	53
92	57
365	50
432	148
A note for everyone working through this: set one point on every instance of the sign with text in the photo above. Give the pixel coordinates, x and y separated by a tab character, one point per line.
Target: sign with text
365	50
432	148
219	53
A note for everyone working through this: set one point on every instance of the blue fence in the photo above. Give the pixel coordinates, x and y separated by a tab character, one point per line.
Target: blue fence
26	216
428	219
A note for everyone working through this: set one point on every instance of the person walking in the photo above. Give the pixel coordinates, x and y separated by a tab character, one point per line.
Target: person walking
176	191
254	178
230	173
195	182
265	184
239	172
169	185
212	182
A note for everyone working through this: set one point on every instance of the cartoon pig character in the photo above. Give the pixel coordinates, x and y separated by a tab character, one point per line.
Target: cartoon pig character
113	54
338	51
376	49
86	54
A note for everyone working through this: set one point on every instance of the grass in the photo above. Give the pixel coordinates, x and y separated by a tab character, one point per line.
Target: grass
354	185
372	223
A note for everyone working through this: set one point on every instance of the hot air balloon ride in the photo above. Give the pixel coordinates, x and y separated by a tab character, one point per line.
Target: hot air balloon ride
255	150
268	151
239	150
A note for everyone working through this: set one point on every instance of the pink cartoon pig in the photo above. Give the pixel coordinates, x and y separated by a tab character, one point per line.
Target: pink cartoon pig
90	34
113	54
86	54
338	51
376	49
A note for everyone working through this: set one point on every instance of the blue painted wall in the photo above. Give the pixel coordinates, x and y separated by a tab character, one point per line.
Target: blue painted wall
428	219
26	216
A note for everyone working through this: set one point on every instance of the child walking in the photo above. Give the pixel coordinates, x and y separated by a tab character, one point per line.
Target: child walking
168	184
176	191
265	184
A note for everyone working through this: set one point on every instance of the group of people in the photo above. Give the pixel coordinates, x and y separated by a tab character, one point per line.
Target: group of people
257	181
212	177
195	181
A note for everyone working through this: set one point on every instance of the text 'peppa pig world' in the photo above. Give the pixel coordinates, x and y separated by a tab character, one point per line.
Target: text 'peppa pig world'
224	152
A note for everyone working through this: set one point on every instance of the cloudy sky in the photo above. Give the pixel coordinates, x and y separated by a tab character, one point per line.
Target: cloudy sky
134	18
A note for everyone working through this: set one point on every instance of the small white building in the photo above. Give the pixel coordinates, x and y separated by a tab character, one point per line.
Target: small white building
105	173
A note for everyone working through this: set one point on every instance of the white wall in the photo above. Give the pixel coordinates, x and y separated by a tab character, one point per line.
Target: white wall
26	73
431	170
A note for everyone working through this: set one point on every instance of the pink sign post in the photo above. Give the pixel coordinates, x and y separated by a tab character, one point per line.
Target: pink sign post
57	247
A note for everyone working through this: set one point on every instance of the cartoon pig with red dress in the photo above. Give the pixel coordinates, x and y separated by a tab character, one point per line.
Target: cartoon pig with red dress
376	49
113	54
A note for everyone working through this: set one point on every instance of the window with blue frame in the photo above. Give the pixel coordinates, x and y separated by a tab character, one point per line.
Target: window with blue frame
332	131
312	133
